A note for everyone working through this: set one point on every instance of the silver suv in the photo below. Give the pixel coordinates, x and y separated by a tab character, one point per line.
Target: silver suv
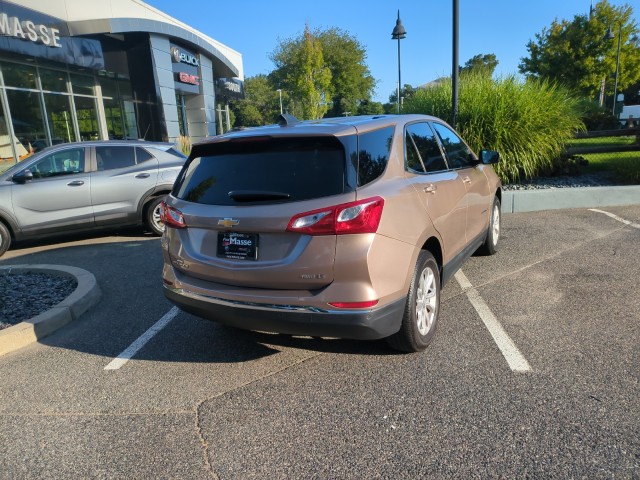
344	227
86	185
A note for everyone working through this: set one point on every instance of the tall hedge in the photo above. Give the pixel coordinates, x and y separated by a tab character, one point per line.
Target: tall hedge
528	122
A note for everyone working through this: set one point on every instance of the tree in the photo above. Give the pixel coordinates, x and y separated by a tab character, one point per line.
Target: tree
483	64
261	105
351	79
369	107
406	93
576	54
302	72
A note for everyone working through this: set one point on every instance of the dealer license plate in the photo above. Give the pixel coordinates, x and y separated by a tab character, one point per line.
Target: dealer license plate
238	246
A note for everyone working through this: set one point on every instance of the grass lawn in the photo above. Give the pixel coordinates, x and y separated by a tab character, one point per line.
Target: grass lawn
601	142
625	165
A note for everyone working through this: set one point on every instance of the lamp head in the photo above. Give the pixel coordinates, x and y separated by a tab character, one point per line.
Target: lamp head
399	31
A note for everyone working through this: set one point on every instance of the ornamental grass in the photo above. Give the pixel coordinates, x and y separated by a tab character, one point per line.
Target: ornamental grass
528	122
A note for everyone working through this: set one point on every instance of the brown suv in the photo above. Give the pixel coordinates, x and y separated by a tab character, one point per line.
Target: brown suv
341	227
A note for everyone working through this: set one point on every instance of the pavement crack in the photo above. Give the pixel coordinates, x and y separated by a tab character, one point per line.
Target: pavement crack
98	414
198	418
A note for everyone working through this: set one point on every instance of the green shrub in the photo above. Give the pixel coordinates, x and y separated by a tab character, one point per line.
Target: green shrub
527	122
183	143
597	118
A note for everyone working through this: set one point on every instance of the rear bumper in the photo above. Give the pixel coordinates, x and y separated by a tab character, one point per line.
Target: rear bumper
294	320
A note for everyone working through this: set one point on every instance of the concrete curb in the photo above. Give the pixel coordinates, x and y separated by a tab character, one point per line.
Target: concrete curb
86	294
514	201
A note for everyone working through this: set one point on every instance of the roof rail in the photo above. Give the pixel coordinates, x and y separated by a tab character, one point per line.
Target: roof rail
285	120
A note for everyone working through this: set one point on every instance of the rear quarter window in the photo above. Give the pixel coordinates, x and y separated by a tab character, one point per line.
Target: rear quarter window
373	154
176	153
279	169
110	158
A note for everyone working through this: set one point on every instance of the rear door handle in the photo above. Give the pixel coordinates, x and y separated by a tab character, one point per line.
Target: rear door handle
466	180
75	183
143	175
431	188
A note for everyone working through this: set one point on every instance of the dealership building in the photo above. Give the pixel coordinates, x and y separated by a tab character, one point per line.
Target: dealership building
74	70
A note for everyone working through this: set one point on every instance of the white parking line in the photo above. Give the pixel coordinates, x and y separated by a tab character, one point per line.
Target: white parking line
128	354
615	217
510	352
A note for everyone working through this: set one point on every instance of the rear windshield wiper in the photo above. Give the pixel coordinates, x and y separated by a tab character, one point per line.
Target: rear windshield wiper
257	195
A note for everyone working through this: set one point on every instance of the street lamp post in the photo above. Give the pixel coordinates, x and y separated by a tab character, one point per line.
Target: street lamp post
454	67
609	36
280	93
398	33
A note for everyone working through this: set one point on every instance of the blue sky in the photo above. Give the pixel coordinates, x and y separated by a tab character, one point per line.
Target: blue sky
501	27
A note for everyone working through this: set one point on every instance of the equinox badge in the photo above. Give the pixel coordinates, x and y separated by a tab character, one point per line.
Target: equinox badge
228	222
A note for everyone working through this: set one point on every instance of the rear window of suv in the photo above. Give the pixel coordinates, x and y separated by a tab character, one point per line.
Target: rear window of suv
373	154
263	169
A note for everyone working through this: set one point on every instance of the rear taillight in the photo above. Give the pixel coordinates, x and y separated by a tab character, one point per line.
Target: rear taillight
368	304
171	217
362	216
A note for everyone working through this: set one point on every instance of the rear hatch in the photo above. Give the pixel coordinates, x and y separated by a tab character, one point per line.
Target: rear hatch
240	199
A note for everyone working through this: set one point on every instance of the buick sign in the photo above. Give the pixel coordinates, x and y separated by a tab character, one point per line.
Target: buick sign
179	56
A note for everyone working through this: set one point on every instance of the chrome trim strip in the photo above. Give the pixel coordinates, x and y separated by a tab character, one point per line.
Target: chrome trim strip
261	306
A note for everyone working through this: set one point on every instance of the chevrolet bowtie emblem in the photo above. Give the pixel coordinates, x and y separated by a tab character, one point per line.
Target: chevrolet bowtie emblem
228	222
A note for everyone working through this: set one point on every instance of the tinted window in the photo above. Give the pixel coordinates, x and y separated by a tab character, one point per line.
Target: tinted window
373	154
414	163
65	162
427	146
175	153
142	155
458	154
109	158
263	170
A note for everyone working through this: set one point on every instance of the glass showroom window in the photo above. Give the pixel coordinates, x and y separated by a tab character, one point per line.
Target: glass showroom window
129	110
59	118
86	107
87	114
6	151
19	76
112	110
24	108
119	108
28	120
53	81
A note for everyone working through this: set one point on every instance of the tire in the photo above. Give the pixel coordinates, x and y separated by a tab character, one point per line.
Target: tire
152	216
420	317
5	239
490	245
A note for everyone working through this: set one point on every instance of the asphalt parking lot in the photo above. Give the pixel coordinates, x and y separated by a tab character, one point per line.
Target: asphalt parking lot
198	400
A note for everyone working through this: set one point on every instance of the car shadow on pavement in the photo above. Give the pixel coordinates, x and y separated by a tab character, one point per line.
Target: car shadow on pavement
323	345
188	339
97	236
127	268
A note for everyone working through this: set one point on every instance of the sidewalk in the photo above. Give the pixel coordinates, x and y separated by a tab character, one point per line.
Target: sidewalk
558	198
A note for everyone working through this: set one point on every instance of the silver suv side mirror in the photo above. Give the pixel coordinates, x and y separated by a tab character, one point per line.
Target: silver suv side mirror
23	177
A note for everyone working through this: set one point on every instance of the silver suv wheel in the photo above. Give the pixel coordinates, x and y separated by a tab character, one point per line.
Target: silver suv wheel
5	238
153	216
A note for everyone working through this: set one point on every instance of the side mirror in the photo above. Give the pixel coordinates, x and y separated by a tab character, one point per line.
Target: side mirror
489	157
23	177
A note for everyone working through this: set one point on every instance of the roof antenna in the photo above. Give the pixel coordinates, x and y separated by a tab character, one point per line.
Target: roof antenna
144	137
284	120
